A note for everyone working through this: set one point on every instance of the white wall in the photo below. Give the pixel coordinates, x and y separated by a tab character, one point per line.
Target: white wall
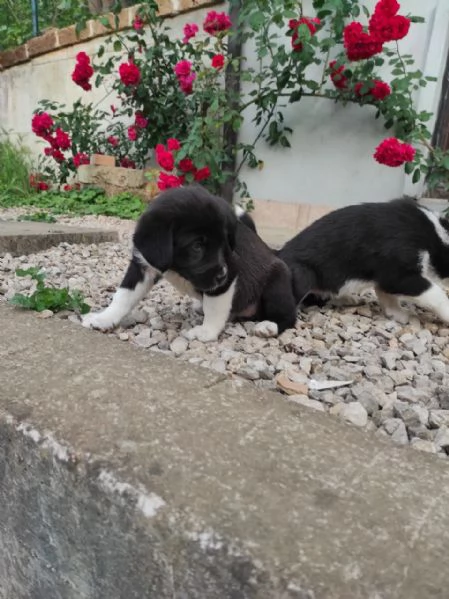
331	157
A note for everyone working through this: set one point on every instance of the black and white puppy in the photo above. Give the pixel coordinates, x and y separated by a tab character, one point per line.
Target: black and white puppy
196	241
400	248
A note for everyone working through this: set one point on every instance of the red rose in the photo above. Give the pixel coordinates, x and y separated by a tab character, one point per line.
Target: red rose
183	68
387	8
113	141
41	124
183	71
388	29
164	158
83	71
42	186
68	187
80	158
186	83
336	74
186	165
168	181
132	133
377	89
202	173
127	163
173	144
113	109
58	155
358	44
138	23
83	58
216	22
218	61
129	73
190	30
392	152
62	139
312	24
140	121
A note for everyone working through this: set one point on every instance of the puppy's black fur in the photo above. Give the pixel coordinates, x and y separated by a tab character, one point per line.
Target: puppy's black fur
392	246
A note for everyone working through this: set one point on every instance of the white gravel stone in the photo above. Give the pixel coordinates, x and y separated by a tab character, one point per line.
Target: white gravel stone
179	345
354	413
442	438
397	430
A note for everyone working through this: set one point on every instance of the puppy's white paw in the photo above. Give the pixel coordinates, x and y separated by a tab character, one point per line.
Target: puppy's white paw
201	333
197	306
266	329
401	316
99	320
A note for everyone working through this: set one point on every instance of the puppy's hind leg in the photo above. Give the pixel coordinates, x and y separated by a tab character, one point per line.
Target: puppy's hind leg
423	293
391	306
434	298
278	304
136	283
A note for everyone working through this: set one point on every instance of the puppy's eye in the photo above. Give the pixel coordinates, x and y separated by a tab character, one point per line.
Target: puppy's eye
197	246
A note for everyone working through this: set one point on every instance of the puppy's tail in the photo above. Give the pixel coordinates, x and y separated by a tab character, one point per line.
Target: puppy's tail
245	218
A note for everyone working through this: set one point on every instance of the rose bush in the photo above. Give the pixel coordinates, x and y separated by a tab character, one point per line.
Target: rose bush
166	88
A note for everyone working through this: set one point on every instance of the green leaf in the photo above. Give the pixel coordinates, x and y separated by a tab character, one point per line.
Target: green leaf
445	162
416	176
105	22
295	96
409	168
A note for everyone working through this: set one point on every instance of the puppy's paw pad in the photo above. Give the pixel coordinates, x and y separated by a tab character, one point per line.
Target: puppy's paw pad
202	334
266	329
97	320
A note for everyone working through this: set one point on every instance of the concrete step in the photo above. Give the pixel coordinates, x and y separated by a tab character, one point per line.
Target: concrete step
125	474
23	237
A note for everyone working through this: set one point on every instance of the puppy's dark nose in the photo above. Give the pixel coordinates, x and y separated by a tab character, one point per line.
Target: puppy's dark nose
220	278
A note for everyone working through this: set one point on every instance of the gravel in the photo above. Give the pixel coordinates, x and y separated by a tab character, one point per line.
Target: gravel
399	373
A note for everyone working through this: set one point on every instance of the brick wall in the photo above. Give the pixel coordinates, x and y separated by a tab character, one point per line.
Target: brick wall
55	39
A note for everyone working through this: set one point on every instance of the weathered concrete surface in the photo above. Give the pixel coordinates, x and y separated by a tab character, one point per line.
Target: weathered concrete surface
22	237
125	474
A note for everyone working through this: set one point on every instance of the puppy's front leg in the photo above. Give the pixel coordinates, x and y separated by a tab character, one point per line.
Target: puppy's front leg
136	283
217	310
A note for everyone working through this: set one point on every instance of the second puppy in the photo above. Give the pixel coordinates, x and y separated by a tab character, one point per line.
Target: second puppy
400	248
196	241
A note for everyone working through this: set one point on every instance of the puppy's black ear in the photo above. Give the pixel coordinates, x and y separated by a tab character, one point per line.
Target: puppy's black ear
153	238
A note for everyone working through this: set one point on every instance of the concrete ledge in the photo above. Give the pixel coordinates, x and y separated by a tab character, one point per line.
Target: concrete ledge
20	238
124	473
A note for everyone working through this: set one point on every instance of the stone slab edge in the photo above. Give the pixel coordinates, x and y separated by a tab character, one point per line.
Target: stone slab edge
18	244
